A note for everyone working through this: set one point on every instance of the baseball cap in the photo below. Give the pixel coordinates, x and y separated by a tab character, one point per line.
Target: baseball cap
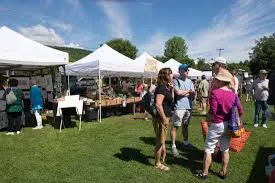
220	60
183	67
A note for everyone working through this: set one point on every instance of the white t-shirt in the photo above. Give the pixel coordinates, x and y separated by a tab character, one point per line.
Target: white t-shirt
260	93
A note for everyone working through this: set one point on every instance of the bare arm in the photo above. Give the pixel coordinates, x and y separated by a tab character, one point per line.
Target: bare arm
181	92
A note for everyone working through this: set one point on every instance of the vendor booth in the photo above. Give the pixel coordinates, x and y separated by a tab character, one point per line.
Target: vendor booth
18	53
105	62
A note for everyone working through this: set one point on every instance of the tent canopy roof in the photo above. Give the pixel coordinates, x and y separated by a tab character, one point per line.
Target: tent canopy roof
142	61
108	61
15	49
174	65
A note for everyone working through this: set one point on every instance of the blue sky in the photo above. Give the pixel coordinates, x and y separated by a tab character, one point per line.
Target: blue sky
205	24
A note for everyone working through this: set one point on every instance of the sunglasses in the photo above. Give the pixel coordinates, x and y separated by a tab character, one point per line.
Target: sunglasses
186	70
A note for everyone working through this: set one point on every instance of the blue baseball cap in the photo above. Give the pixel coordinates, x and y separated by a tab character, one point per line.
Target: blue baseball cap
183	67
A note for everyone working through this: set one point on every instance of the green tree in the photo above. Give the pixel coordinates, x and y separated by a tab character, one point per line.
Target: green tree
161	58
176	48
124	47
202	65
263	54
187	60
75	54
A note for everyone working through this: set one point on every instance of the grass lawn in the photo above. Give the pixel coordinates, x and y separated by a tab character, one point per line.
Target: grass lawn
120	150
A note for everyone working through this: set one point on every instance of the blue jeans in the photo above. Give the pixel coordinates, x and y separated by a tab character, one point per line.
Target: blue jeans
258	106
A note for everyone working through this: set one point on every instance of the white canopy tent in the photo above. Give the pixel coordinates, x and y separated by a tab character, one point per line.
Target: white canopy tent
149	65
17	51
174	65
105	61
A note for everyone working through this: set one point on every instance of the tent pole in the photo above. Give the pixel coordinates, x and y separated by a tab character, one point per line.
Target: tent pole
99	86
69	92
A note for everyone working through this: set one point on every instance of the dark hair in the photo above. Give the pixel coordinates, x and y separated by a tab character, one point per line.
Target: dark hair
203	77
13	83
164	76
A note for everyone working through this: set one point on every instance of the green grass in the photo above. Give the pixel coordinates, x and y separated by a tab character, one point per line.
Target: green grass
120	150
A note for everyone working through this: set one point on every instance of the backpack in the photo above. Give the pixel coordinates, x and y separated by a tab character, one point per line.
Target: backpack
148	103
235	128
10	97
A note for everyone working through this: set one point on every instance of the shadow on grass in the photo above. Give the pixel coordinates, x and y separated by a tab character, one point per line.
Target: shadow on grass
188	158
257	174
132	154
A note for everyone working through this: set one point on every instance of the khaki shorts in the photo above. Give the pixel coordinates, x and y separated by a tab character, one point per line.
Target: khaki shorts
181	116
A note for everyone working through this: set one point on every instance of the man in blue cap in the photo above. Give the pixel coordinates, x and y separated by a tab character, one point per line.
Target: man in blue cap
184	94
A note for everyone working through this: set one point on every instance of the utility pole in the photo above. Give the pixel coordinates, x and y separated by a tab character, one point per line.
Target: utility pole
220	51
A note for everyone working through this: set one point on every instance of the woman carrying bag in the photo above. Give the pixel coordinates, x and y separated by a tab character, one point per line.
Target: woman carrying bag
164	105
14	99
222	100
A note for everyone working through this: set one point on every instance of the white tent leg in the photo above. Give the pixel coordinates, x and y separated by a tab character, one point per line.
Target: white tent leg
99	88
69	92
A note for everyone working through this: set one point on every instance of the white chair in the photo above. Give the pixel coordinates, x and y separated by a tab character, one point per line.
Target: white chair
72	101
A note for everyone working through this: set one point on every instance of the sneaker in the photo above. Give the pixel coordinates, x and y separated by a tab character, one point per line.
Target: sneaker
175	151
256	125
264	125
18	132
37	127
10	133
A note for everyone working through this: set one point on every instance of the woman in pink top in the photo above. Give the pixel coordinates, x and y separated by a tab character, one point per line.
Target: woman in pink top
221	101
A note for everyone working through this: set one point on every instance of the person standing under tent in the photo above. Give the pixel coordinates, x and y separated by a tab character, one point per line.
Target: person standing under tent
138	88
184	95
248	89
14	109
3	114
261	93
203	93
36	98
164	105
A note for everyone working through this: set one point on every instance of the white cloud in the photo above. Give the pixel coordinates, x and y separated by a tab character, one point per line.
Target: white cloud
155	44
42	34
234	30
73	45
118	19
62	26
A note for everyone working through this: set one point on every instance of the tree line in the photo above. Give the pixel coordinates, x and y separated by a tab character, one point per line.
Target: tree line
262	55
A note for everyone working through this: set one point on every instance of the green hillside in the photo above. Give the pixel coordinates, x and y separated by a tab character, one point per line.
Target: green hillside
74	53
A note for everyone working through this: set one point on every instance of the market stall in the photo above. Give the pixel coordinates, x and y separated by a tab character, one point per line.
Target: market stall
104	62
20	54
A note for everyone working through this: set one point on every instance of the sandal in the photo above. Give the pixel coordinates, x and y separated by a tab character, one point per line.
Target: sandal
162	167
222	175
201	176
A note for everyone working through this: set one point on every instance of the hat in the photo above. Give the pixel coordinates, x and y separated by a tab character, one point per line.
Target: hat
220	60
224	75
263	71
183	67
